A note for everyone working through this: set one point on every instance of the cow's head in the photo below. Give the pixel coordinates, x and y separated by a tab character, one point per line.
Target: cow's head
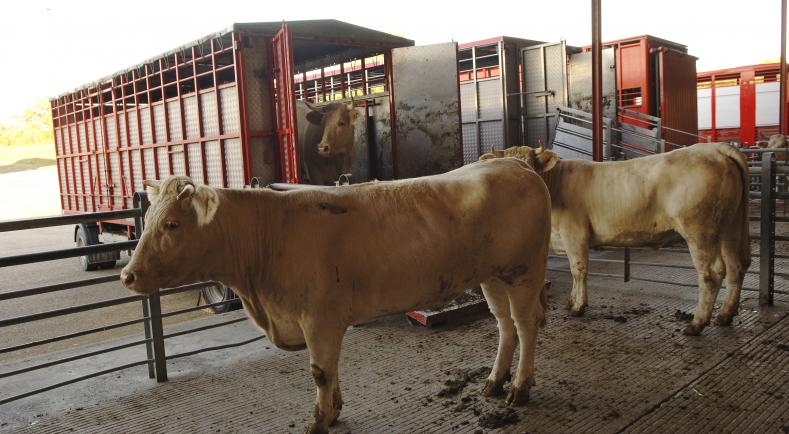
173	246
338	121
540	159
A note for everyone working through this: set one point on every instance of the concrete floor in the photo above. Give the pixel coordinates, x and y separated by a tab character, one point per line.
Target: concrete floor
624	367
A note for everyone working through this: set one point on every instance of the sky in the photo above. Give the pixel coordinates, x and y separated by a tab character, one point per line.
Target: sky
50	47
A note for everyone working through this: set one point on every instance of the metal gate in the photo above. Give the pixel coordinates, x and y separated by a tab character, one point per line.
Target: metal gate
425	86
285	104
579	78
483	107
544	89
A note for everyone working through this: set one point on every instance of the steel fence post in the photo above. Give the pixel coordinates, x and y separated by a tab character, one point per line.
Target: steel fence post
767	232
159	357
140	201
627	264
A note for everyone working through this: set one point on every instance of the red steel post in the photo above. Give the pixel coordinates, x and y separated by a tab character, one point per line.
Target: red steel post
597	71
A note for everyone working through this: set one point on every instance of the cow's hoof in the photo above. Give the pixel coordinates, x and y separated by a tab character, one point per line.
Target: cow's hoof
723	320
576	312
693	330
518	396
314	428
492	388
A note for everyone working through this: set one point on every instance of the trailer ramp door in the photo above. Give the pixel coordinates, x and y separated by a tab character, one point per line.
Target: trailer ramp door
544	69
427	110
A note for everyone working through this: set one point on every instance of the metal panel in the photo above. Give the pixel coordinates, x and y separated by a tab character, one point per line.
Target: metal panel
468	102
134	137
159	123
767	104
544	69
727	107
491	134
195	162
470	145
234	163
179	161
580	82
191	118
173	120
137	171
490	100
150	166
678	97
231	123
145	125
209	111
426	99
164	167
704	105
122	141
213	163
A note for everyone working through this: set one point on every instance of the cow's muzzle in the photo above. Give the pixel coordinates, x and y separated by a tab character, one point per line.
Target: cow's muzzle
324	150
127	279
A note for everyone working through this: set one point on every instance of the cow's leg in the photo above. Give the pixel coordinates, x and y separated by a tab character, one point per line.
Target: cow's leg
709	265
324	344
495	292
527	313
578	254
735	274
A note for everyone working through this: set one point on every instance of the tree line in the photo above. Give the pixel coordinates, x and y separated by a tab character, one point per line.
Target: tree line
32	126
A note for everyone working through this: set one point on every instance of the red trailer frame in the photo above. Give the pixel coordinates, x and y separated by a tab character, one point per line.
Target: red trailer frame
748	133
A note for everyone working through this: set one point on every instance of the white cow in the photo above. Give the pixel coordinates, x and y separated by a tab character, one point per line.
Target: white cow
699	193
309	263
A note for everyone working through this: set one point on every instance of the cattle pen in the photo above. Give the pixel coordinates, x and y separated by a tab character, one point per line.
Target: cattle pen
663	378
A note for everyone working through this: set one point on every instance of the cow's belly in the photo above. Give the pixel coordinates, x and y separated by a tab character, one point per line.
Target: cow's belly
636	237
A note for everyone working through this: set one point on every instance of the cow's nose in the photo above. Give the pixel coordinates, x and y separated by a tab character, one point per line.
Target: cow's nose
127	278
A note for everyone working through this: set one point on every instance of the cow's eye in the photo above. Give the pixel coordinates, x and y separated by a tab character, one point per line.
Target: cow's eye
340	124
171	225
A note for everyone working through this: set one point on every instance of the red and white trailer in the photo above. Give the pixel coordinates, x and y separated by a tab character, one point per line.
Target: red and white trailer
221	110
744	101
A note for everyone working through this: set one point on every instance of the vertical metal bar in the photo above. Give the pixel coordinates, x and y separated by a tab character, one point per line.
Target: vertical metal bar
238	68
139	223
389	72
151	121
167	136
105	148
782	102
597	84
157	332
627	264
767	233
181	119
475	83
222	168
199	105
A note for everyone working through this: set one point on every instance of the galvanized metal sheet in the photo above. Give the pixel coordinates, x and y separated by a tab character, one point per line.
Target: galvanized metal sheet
580	82
544	69
428	138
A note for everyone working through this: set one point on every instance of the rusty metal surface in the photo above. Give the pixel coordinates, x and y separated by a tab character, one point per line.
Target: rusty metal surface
580	82
624	366
428	112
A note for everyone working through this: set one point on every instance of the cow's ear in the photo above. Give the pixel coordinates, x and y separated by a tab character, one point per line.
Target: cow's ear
153	189
315	117
546	160
205	201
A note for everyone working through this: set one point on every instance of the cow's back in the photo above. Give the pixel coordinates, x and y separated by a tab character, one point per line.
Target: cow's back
398	245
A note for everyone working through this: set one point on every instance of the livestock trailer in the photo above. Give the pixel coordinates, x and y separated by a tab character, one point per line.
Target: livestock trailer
221	109
516	91
744	100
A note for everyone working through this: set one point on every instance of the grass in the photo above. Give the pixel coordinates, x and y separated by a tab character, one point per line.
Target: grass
17	158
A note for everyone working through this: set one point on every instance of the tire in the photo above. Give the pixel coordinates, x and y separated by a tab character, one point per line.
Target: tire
216	293
82	241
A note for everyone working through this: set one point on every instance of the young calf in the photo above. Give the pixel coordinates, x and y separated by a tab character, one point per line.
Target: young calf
309	263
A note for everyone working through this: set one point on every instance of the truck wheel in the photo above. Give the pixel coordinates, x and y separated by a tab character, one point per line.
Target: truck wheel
82	241
86	235
218	292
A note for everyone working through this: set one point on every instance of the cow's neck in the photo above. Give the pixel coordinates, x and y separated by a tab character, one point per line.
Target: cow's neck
245	237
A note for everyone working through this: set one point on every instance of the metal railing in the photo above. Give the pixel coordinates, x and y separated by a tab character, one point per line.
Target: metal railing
766	177
154	335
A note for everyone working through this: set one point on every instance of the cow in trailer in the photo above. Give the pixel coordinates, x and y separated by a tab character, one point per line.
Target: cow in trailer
699	193
326	141
309	263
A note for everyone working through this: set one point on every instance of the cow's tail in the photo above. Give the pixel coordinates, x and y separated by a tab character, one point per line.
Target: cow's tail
741	164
